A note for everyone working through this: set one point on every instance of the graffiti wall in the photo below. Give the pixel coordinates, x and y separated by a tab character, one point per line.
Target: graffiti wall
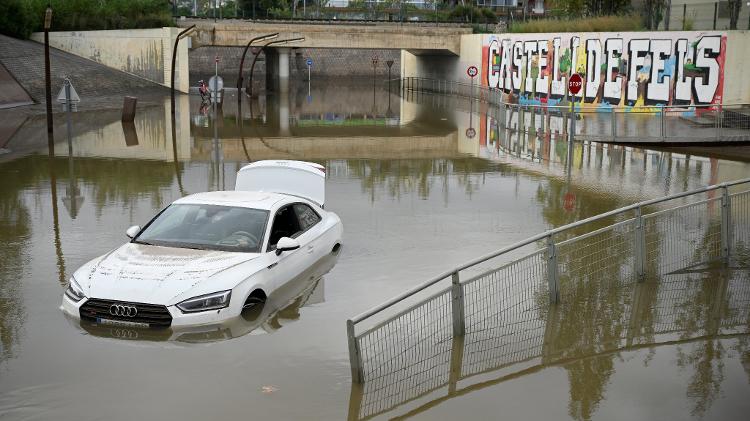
631	69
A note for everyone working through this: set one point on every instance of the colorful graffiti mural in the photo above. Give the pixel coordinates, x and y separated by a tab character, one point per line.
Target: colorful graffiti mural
634	69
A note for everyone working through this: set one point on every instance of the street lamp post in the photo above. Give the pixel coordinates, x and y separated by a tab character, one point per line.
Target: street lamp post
280	41
244	53
47	79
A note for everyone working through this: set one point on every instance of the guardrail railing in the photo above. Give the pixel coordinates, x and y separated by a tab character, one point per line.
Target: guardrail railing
673	123
632	243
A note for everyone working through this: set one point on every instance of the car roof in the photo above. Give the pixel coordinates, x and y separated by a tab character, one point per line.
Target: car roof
245	199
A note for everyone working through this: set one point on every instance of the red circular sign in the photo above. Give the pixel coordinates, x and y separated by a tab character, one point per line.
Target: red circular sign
472	71
569	202
575	83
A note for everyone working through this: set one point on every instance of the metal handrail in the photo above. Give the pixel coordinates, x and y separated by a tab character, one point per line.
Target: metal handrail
567	107
547	234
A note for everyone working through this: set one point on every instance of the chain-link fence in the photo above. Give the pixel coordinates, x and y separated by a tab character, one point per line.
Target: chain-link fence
686	15
626	275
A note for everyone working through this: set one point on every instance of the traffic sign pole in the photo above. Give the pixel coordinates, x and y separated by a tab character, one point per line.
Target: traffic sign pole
309	76
574	86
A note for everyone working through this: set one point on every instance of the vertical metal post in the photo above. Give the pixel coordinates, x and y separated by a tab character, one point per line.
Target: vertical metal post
684	14
457	306
354	355
716	13
726	223
614	126
719	122
663	128
669	15
572	119
48	81
68	106
552	276
640	245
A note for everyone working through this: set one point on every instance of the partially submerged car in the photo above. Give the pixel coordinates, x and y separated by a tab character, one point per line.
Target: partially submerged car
280	308
207	256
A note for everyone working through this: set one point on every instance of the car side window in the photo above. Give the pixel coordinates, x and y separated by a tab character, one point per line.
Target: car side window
285	224
307	216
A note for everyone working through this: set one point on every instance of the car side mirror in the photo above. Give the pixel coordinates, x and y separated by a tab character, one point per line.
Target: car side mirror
133	231
286	244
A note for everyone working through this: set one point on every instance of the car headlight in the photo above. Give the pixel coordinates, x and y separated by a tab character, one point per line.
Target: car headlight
74	291
213	301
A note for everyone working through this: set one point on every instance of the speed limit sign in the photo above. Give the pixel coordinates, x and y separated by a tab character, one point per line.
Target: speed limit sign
472	71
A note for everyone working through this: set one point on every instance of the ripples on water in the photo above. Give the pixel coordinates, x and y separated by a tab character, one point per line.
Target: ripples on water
417	196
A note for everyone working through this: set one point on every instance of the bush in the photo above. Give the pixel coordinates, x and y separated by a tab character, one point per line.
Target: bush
473	14
16	18
21	17
593	24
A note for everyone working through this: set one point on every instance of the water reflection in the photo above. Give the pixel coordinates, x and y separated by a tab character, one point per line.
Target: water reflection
585	335
404	176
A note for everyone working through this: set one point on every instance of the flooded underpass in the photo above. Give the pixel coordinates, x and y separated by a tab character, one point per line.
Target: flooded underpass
422	184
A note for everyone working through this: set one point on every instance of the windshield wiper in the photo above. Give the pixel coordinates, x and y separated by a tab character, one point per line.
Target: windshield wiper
142	242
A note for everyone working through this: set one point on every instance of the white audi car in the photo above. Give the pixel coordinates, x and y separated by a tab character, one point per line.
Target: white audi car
207	256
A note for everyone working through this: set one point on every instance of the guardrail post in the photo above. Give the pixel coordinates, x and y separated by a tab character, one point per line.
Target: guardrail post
457	306
552	276
719	122
663	127
354	355
614	125
726	223
640	245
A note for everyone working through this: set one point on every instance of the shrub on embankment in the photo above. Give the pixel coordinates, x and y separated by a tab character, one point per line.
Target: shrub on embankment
19	18
614	23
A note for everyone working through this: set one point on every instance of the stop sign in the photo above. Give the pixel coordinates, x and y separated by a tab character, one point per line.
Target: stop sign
575	83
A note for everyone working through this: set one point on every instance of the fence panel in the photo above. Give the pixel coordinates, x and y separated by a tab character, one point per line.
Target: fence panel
682	237
505	314
407	355
605	256
740	224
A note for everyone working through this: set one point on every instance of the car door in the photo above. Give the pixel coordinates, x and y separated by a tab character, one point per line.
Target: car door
291	263
311	230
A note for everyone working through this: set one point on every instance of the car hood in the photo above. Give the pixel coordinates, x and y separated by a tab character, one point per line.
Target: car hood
152	274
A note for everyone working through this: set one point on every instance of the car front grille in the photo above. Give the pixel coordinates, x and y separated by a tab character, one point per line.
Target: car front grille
155	315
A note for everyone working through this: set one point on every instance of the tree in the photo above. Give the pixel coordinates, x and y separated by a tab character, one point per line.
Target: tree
653	13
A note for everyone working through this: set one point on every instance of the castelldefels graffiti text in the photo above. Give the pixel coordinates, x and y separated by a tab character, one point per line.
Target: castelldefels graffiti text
618	69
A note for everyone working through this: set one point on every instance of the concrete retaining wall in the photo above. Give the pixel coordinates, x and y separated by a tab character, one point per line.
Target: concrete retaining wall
145	53
326	63
632	69
642	70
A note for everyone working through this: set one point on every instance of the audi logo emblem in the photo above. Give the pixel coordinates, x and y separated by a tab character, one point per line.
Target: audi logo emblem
123	310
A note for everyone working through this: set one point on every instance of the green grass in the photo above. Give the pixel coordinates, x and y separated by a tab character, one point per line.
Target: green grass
594	24
18	18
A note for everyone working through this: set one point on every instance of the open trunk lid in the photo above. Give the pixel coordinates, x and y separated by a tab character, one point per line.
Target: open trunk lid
295	178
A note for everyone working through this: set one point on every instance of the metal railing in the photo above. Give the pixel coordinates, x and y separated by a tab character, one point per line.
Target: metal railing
652	124
643	240
605	321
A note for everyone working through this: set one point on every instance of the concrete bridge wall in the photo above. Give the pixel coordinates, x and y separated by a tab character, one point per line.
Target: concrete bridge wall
146	53
445	39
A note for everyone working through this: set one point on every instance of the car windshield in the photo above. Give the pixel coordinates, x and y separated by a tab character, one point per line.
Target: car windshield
207	227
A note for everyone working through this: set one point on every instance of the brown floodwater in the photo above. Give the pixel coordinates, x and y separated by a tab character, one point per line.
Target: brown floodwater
421	184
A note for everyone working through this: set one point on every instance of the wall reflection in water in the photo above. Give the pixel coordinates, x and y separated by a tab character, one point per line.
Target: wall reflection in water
514	334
